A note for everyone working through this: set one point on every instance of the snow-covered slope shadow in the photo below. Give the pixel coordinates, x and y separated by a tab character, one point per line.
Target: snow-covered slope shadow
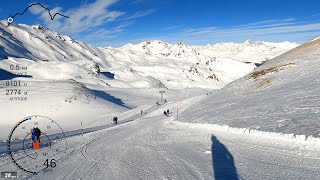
3	53
108	97
5	75
222	161
108	74
12	47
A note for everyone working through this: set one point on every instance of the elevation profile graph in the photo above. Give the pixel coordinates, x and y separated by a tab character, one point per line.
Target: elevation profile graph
11	18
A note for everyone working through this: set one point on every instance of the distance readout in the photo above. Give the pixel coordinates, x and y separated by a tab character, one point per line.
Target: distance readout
17	89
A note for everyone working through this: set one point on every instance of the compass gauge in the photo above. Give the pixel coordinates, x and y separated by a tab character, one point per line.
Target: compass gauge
35	142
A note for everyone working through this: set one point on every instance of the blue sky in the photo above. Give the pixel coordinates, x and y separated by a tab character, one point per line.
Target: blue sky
194	22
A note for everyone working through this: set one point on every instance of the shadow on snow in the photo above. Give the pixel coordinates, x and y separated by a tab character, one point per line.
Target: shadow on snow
5	75
108	74
108	97
222	161
11	49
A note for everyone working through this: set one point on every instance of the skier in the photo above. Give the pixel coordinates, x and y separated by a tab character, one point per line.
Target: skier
38	133
164	112
168	112
141	112
114	120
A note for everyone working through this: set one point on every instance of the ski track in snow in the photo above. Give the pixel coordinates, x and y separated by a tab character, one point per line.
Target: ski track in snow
161	148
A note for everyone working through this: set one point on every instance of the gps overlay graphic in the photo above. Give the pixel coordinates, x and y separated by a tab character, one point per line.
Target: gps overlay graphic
11	18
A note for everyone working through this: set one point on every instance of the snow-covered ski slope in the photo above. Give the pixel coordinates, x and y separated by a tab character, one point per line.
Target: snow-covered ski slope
281	96
153	146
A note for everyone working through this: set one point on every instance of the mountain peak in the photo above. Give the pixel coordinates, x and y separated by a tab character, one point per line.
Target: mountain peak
248	42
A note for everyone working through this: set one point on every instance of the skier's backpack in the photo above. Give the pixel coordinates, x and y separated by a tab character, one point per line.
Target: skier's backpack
33	134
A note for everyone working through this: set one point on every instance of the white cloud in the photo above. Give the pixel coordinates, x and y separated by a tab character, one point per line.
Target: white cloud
138	1
140	14
90	21
268	22
102	34
171	28
277	29
81	19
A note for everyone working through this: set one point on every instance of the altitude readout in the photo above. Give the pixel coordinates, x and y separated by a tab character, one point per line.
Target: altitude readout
15	92
15	83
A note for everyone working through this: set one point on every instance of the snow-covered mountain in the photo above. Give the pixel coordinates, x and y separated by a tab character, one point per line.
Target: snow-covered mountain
144	65
206	66
63	80
248	51
280	96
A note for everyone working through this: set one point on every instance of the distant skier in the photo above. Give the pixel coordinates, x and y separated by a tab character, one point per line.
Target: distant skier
114	120
167	113
165	100
141	112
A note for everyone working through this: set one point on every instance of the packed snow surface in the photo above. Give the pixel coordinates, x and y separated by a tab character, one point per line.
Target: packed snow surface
153	146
